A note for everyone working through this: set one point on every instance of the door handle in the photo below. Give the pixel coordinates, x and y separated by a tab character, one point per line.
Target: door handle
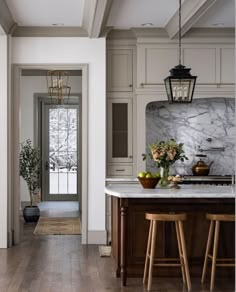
46	165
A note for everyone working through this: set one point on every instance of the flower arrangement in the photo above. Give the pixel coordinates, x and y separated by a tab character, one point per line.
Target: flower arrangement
164	154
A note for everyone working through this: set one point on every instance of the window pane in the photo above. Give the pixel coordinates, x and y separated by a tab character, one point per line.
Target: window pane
63	183
72	183
63	150
62	119
53	183
63	141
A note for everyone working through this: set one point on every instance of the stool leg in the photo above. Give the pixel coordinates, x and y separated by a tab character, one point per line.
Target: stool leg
215	248
180	253
209	240
181	233
154	228
147	253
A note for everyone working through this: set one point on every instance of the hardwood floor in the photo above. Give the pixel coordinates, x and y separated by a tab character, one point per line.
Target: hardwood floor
59	263
59	209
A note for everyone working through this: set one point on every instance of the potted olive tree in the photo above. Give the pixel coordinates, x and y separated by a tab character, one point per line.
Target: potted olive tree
30	166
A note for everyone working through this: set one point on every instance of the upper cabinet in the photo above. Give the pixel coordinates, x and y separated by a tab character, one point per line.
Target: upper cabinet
154	63
120	70
227	65
202	62
213	64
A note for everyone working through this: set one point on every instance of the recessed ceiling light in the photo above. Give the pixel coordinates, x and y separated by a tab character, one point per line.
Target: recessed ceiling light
57	24
147	24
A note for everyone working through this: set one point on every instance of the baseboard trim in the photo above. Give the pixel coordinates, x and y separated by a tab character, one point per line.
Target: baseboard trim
97	237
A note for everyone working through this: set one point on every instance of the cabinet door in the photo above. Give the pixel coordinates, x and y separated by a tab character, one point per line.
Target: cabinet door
120	70
202	62
120	148
227	64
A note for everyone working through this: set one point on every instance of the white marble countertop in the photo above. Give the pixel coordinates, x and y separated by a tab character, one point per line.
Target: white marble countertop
122	179
186	191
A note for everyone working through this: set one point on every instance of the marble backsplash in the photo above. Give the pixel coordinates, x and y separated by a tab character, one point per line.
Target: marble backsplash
206	126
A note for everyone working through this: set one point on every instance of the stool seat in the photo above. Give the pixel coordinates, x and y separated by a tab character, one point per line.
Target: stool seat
166	217
150	254
221	217
215	220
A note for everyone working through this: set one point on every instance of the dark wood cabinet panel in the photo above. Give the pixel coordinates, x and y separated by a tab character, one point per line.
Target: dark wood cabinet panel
195	229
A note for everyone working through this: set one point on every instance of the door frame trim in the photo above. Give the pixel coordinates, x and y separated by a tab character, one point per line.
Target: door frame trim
42	103
15	120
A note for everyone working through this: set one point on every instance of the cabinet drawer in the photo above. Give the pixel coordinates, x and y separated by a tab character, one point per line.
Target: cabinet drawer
119	170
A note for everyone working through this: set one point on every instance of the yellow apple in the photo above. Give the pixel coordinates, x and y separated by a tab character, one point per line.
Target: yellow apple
157	174
142	174
148	175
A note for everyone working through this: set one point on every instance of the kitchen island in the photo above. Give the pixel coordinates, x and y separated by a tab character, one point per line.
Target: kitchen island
130	202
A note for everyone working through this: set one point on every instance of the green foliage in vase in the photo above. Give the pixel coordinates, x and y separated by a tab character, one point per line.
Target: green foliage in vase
166	153
30	166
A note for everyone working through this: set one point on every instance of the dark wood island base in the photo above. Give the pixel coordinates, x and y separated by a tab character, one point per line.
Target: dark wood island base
130	233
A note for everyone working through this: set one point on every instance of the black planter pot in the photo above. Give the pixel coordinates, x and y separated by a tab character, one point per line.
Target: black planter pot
31	214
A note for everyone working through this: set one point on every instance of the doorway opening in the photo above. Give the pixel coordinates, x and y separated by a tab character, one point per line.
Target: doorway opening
59	135
64	179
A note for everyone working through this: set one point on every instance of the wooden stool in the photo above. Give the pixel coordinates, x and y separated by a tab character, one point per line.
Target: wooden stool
215	220
177	218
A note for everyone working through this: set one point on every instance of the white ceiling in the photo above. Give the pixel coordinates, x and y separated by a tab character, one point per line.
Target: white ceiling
133	13
47	12
221	14
122	14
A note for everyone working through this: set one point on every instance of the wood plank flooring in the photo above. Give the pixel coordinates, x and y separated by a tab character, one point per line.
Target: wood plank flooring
56	263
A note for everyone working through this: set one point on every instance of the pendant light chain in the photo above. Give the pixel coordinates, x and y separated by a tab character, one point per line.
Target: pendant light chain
180	84
179	32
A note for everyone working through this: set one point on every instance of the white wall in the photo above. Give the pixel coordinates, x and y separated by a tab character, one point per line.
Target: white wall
3	139
29	86
77	51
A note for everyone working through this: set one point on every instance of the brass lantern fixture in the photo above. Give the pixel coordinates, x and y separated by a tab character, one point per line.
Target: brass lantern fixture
57	83
180	84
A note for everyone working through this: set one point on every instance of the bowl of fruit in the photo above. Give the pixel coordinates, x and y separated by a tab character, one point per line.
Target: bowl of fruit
148	180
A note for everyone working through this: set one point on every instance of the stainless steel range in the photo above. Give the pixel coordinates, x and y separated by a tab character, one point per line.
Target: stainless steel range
209	179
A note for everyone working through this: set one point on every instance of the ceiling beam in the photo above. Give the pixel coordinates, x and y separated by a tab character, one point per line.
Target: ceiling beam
191	11
6	20
48	31
95	16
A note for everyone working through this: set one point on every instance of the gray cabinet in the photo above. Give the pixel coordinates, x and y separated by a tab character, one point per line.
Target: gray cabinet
120	70
212	63
120	137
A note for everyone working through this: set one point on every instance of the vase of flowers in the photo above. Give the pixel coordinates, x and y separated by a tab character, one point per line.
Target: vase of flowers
164	176
164	154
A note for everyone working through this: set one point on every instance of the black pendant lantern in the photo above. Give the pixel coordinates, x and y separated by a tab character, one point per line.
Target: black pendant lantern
180	84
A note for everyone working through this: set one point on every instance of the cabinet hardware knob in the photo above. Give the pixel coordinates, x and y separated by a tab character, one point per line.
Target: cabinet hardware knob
120	169
131	85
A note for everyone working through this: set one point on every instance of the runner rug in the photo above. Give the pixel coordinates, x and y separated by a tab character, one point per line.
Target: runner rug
57	226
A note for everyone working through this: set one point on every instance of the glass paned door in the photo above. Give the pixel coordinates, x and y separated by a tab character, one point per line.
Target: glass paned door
60	153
